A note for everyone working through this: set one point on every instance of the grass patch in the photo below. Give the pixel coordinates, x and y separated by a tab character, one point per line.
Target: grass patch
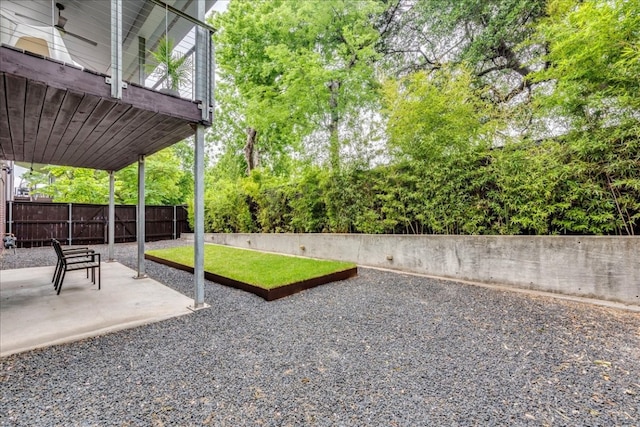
264	270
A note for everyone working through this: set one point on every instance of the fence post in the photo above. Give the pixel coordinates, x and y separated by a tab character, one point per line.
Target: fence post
175	221
70	238
10	217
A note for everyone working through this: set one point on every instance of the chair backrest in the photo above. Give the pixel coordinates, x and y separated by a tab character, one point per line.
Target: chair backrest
57	248
34	44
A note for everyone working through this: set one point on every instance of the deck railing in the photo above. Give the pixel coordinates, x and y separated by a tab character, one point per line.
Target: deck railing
81	33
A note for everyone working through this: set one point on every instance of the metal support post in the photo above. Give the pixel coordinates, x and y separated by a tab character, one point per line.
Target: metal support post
142	51
112	216
198	228
202	94
212	75
116	49
141	218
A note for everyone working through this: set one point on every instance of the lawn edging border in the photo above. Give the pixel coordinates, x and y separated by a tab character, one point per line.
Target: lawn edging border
267	294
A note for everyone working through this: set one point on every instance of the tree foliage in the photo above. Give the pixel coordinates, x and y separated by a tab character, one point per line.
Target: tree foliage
594	61
66	184
435	115
415	116
498	116
300	68
166	182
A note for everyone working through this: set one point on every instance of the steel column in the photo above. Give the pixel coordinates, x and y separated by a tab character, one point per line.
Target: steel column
116	49
198	228
141	218
112	216
142	51
202	94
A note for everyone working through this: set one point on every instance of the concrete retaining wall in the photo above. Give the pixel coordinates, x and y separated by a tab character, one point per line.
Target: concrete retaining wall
603	267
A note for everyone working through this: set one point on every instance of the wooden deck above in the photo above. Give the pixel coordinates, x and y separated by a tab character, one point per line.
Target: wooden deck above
54	113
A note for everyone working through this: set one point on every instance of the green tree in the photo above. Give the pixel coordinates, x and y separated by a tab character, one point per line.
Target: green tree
486	34
592	85
78	185
470	91
594	61
435	115
166	183
300	68
163	175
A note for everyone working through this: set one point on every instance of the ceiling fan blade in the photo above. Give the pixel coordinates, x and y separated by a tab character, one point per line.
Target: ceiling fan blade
18	14
77	36
63	31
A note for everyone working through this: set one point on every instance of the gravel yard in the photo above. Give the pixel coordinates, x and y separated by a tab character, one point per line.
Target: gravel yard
381	349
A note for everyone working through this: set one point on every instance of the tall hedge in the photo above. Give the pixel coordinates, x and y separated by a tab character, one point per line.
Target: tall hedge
582	184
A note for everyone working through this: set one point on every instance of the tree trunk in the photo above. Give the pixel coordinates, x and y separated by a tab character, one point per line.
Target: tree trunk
250	152
334	141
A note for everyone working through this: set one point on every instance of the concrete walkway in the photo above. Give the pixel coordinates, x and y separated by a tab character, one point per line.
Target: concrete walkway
33	316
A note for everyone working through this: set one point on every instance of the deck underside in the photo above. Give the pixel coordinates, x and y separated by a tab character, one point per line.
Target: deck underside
55	113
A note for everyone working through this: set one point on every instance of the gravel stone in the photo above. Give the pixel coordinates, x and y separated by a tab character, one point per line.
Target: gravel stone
381	349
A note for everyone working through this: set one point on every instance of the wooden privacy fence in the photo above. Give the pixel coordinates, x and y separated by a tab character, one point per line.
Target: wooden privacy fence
34	224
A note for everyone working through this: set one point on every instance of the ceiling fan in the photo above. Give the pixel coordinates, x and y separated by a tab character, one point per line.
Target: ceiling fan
62	21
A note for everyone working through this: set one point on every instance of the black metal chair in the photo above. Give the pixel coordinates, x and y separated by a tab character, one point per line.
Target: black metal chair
76	261
67	251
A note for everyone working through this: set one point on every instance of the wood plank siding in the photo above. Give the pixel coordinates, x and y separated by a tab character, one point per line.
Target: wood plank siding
55	113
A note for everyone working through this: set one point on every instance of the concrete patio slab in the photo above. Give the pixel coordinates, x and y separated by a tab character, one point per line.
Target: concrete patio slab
33	316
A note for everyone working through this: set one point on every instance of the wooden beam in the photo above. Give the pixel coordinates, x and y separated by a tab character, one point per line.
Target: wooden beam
84	110
119	154
103	129
16	89
119	134
52	104
54	113
67	111
36	93
6	149
68	77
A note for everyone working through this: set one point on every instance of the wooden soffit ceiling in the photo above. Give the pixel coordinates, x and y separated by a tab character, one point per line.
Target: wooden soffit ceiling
54	113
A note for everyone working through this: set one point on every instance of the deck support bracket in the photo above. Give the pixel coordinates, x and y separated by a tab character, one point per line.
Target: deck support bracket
109	81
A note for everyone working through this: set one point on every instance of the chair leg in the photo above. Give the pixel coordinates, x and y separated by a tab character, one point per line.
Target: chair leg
99	277
55	273
61	280
56	282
